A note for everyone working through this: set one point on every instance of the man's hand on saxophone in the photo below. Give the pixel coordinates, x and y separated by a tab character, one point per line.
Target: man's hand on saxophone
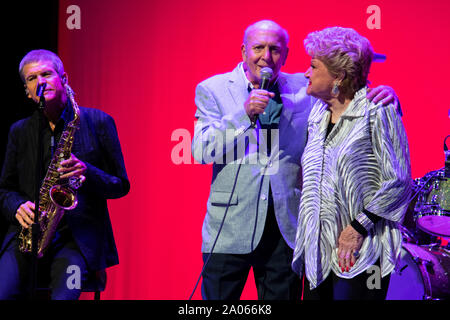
72	167
25	214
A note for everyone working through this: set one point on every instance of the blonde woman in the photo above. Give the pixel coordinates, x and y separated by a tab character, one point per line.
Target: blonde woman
356	174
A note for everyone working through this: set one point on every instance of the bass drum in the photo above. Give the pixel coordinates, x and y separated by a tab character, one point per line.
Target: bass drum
422	273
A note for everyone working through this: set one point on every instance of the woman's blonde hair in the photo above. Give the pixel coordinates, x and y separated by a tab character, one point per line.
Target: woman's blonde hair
343	51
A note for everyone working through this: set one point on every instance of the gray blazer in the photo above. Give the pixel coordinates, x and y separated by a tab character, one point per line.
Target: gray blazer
224	137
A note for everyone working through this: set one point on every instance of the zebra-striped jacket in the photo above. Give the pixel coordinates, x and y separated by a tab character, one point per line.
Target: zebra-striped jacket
362	164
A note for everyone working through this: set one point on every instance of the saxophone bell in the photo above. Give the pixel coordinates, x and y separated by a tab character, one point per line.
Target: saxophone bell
63	197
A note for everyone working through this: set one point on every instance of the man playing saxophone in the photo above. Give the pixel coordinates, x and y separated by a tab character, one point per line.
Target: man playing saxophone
83	236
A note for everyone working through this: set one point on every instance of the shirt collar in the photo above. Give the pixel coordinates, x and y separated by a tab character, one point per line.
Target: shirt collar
248	84
66	114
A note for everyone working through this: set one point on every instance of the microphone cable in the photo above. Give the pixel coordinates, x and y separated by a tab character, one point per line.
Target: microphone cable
221	224
224	216
266	74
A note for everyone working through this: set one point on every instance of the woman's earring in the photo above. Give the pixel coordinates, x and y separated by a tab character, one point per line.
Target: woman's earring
335	89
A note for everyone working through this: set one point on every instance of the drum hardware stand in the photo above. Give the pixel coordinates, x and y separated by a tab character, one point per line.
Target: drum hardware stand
426	264
447	158
434	246
399	272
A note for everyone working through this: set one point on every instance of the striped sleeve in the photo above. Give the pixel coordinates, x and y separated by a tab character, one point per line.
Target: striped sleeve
390	146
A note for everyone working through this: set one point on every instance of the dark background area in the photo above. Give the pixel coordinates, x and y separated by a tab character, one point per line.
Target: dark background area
25	26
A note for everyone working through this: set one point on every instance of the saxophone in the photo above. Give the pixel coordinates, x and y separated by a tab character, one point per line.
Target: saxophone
55	195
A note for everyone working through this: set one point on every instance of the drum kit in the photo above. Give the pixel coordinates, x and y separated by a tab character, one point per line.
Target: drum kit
423	269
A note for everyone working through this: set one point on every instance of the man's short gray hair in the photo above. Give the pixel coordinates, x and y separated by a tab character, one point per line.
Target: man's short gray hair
40	55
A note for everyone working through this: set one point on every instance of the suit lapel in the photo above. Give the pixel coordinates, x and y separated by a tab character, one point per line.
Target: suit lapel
238	88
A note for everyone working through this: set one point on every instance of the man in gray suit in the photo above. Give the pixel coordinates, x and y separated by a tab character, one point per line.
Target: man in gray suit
254	138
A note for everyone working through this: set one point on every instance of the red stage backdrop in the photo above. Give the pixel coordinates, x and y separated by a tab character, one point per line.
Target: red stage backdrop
140	62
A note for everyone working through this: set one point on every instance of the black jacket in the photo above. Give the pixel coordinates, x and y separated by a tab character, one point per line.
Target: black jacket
97	145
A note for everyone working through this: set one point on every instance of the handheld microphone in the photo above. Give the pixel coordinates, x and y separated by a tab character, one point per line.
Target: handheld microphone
266	75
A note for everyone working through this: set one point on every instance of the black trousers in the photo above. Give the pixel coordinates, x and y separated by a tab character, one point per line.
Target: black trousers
55	270
225	275
357	288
